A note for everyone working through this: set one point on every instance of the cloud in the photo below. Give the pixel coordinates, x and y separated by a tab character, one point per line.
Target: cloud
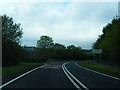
67	23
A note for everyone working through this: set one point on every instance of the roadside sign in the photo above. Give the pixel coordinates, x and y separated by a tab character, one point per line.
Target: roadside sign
96	51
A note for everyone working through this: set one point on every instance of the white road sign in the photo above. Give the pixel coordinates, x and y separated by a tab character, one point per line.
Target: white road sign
96	51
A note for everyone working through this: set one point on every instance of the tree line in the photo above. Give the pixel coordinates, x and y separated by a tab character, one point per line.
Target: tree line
46	50
109	42
13	53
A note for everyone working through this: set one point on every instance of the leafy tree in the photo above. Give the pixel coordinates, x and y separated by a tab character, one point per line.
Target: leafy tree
42	55
11	31
109	42
45	42
11	35
71	47
75	53
46	50
60	46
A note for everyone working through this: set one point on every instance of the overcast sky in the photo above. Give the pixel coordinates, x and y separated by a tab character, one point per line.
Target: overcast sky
68	23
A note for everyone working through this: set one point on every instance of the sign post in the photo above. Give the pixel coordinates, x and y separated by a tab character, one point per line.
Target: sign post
97	51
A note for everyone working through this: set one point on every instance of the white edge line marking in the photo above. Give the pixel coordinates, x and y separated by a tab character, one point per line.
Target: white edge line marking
70	78
97	72
19	77
76	79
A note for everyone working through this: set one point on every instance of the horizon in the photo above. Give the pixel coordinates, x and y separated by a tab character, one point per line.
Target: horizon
67	23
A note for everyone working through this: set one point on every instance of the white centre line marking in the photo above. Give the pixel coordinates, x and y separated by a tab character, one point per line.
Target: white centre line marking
66	72
70	78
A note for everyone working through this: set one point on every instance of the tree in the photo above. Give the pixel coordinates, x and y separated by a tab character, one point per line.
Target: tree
60	46
44	49
10	30
45	42
48	50
71	47
11	35
109	42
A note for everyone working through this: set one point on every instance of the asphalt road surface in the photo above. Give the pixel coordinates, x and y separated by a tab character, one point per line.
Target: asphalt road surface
63	75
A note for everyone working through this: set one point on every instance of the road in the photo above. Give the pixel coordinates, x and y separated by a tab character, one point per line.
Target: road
63	75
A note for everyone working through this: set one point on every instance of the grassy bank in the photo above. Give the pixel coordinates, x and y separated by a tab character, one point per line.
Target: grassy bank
111	70
12	71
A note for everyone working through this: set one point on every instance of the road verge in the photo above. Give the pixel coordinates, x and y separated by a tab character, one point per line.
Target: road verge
105	69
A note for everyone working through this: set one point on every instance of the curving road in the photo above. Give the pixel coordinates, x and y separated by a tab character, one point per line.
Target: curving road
63	75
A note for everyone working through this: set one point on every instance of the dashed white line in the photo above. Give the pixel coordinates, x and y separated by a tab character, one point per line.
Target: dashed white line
97	72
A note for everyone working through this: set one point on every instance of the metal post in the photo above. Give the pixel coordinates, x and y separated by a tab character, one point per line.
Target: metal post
100	58
94	57
31	57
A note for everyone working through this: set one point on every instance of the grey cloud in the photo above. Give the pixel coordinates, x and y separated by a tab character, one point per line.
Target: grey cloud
68	23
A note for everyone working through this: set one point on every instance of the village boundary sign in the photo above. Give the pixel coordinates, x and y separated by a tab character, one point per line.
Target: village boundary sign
96	51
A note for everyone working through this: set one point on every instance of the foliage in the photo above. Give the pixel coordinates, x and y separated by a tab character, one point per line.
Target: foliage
45	42
60	46
109	41
46	50
13	53
11	34
10	30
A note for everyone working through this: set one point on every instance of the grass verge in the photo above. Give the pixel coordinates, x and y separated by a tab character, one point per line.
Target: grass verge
110	70
10	72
